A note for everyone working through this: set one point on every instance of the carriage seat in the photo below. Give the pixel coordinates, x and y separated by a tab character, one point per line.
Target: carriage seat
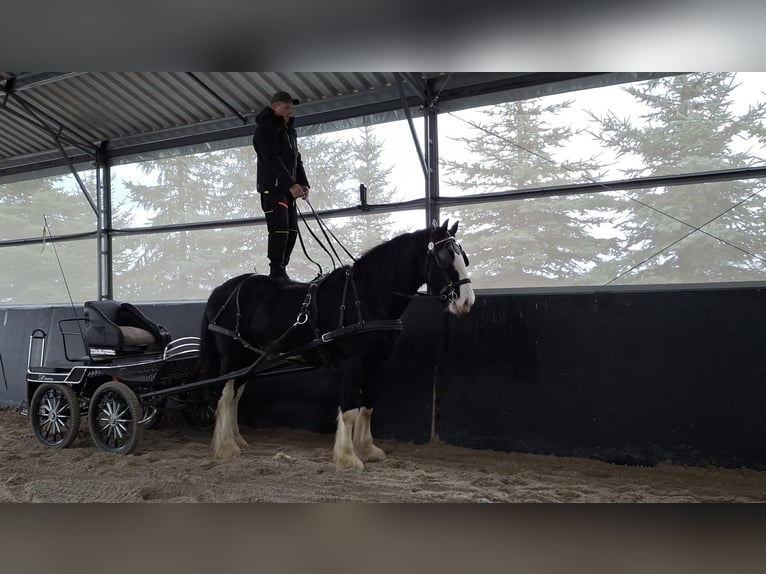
113	328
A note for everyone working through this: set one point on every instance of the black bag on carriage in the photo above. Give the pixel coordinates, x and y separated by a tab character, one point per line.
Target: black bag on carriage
113	328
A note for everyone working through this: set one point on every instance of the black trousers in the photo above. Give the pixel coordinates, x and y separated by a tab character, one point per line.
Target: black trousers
282	225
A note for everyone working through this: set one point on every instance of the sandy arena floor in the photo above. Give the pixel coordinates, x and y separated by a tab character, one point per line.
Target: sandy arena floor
174	464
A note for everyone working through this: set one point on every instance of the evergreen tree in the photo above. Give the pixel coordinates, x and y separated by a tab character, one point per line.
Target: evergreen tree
328	166
221	185
687	126
366	152
531	241
335	167
31	274
188	264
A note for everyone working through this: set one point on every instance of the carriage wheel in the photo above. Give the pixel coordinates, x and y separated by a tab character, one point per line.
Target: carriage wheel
199	416
114	418
55	412
153	415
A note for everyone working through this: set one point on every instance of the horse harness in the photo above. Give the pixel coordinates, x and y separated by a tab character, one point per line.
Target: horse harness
308	315
443	260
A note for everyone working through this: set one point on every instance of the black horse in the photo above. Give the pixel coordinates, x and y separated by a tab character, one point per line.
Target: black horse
349	318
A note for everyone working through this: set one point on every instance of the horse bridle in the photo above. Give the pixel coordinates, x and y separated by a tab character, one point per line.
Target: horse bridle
443	260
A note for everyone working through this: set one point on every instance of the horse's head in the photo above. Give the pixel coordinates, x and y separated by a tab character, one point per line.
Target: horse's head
446	269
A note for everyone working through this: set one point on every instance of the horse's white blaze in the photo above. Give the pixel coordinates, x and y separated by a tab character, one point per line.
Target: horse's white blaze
362	436
466	297
343	451
224	443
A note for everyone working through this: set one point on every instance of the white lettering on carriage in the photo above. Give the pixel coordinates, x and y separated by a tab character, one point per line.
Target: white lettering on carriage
466	297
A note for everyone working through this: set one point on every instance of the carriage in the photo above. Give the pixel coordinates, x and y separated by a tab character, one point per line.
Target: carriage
130	369
122	372
114	356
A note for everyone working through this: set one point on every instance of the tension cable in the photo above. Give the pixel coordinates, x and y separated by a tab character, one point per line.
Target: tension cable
624	194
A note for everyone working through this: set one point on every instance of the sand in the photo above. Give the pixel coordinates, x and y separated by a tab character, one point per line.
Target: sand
173	464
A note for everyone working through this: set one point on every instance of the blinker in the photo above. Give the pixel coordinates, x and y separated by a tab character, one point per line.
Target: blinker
442	256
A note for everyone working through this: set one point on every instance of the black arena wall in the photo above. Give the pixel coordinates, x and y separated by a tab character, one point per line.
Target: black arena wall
630	377
627	376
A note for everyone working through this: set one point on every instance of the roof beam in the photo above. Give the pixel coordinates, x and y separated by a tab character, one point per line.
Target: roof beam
217	96
413	131
28	80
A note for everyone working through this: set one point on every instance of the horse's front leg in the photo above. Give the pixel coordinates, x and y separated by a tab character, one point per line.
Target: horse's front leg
224	441
363	445
369	377
343	452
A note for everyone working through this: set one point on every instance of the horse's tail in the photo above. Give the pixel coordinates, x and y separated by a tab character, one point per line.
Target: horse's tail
209	362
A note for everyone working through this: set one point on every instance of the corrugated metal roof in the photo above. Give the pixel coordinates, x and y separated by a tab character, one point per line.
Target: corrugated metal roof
108	106
130	108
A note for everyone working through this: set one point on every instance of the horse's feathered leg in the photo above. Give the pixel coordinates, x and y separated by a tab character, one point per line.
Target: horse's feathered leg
234	416
343	452
363	446
367	377
224	443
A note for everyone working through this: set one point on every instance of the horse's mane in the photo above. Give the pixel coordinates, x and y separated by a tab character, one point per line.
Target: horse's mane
386	263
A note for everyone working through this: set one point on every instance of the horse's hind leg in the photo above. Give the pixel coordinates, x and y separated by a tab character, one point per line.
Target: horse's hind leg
363	446
234	417
343	452
224	442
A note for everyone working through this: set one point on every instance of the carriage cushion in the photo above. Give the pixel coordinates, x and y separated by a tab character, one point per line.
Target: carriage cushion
134	336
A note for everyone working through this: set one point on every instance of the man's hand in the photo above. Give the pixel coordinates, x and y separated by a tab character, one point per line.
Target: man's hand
297	191
305	191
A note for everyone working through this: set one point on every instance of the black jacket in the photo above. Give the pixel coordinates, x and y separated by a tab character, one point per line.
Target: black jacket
279	161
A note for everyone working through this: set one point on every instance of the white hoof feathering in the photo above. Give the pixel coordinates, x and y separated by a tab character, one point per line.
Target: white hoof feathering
363	445
235	419
343	452
224	442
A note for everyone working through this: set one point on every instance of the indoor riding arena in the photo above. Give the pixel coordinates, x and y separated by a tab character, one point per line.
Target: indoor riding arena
591	330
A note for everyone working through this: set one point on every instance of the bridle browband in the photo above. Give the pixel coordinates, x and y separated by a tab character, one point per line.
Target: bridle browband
443	260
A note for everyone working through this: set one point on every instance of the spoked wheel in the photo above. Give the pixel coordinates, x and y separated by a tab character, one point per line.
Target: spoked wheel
153	415
114	418
55	413
200	416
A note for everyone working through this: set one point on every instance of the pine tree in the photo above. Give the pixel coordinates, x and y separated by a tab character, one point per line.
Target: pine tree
532	241
31	274
187	264
335	167
221	185
328	166
366	152
687	126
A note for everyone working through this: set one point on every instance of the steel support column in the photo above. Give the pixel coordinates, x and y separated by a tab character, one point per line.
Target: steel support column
104	241
430	114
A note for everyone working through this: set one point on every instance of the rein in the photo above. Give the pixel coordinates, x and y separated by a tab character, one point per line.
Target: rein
325	231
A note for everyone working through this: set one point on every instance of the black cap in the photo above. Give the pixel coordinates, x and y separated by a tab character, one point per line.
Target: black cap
284	97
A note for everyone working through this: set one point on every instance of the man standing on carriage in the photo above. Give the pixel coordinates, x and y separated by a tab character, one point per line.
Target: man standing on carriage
281	178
